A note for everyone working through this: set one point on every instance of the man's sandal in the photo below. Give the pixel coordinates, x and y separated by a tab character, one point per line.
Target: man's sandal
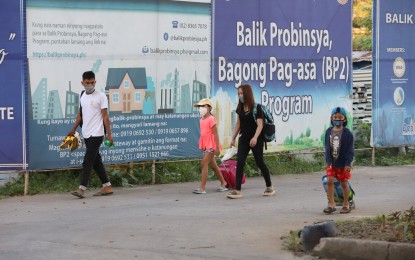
78	193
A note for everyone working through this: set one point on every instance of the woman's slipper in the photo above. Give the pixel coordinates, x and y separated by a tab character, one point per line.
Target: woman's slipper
329	210
222	189
199	191
345	210
234	195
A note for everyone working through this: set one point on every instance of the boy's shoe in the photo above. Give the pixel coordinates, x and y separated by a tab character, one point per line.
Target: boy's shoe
78	193
329	210
104	191
269	191
234	195
345	210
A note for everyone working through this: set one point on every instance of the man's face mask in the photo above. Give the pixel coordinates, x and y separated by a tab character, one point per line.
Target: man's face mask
89	89
89	85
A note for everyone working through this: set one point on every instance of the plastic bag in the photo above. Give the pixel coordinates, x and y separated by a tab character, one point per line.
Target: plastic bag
229	153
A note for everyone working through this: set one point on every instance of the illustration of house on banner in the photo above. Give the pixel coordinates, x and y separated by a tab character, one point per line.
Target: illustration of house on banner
126	89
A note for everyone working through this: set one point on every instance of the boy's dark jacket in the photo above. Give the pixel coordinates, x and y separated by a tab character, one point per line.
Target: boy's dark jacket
346	153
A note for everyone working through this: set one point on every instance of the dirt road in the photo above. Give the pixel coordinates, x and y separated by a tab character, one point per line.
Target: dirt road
169	222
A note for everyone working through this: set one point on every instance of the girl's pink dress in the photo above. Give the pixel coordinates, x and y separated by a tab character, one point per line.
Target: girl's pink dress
207	138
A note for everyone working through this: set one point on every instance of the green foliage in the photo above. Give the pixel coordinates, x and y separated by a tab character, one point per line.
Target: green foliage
362	43
308	132
13	188
292	241
404	224
362	134
364	20
362	25
173	172
289	163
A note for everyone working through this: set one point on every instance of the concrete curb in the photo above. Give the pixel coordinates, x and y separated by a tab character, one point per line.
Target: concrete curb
358	249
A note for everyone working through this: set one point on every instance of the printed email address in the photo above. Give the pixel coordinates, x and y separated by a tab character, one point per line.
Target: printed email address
179	51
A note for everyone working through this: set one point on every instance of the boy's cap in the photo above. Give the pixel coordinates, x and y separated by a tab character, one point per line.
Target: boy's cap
204	101
340	110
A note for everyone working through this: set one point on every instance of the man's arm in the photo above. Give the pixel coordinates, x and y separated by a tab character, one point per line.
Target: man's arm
107	124
76	124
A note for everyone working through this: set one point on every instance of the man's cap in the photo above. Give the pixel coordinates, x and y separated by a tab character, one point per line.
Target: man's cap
204	101
340	110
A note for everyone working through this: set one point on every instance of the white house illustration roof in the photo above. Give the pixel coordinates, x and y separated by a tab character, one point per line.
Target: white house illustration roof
116	75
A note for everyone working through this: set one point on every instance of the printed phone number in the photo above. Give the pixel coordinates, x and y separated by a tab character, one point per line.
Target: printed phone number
193	25
158	131
135	156
126	157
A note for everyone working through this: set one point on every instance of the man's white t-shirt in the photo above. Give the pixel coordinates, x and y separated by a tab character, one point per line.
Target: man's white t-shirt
92	122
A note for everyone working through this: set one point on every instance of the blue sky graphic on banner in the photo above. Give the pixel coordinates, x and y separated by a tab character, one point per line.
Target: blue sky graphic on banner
296	55
151	58
393	77
12	75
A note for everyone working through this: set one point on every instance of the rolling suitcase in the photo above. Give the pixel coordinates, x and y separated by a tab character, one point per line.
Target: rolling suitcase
228	170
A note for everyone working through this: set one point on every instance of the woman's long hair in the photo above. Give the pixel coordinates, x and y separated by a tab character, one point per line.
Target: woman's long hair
248	98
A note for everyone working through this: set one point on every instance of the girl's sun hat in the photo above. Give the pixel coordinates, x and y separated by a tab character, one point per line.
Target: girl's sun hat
204	101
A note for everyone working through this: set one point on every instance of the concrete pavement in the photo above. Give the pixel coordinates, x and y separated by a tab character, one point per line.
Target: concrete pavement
169	222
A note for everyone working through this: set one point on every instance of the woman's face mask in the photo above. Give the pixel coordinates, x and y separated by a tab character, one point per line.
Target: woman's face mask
241	98
203	111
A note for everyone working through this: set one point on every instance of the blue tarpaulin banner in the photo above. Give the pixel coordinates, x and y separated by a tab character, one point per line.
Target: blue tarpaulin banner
393	74
12	78
151	59
295	54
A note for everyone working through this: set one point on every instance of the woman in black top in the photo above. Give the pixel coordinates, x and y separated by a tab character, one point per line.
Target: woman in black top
250	139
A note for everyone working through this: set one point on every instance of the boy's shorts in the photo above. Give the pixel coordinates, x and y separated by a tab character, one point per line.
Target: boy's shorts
339	173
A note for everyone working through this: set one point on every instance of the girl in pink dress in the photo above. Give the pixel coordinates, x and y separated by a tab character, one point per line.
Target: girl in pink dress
209	144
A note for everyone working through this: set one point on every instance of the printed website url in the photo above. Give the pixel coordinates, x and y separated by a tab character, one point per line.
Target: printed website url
188	38
55	54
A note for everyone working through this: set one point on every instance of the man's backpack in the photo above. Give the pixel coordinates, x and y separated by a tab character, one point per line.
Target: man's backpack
268	130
